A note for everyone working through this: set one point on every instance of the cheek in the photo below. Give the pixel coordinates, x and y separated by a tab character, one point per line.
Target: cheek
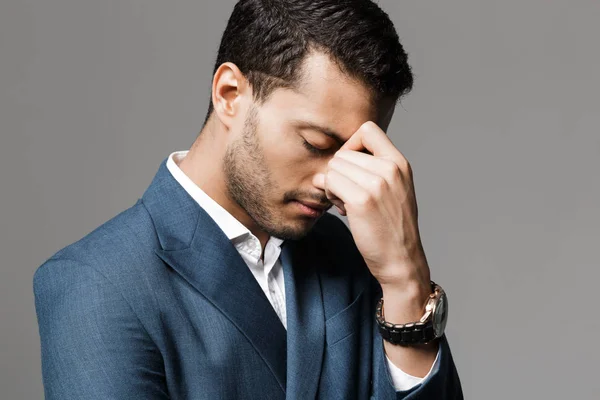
285	153
290	167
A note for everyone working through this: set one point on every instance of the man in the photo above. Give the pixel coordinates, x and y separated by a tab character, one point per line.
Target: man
228	279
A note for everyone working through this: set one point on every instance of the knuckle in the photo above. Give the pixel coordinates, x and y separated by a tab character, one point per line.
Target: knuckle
364	200
378	185
392	171
370	124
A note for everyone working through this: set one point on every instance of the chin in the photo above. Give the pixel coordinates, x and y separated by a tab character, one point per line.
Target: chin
293	231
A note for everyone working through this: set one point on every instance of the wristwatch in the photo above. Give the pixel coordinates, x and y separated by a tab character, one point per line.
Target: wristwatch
430	327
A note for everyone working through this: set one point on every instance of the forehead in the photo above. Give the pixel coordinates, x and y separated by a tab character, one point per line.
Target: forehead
326	96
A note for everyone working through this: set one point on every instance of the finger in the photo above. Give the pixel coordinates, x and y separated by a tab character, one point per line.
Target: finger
370	137
388	169
339	204
360	176
343	188
319	181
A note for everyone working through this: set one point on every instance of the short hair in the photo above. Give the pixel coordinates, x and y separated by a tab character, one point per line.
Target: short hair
269	39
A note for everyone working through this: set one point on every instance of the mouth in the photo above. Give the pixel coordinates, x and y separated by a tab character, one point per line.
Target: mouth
310	209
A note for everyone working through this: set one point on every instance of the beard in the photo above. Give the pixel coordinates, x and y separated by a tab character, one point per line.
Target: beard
249	183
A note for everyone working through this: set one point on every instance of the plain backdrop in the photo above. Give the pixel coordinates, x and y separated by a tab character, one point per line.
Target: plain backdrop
502	131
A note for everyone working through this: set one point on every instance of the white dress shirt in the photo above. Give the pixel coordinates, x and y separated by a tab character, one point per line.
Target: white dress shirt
268	272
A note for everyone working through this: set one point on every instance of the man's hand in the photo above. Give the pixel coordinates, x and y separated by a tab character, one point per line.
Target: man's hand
376	193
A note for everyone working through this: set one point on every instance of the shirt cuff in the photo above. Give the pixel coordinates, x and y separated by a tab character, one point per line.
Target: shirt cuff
402	380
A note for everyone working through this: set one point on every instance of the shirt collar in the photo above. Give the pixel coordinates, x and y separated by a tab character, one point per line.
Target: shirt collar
232	228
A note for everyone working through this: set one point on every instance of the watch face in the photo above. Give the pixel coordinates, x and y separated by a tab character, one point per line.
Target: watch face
440	316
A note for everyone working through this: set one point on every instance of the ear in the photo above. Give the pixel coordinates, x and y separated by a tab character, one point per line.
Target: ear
229	87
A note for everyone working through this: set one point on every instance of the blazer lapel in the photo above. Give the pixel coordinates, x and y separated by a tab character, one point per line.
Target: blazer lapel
194	246
305	318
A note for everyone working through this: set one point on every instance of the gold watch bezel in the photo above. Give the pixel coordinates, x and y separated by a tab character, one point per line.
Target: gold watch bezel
432	302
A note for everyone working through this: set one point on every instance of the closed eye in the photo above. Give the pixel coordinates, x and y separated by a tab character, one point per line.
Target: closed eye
315	150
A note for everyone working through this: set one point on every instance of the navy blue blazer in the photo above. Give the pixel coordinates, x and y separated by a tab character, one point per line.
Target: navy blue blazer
157	303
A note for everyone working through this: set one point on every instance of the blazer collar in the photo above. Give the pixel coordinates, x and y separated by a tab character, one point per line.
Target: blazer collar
301	262
196	248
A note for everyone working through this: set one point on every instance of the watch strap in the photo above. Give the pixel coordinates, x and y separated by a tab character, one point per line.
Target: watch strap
410	333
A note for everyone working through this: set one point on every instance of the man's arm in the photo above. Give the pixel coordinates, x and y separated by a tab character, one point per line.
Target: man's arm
401	307
93	346
442	383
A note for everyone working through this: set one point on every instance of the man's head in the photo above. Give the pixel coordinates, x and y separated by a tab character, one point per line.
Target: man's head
293	80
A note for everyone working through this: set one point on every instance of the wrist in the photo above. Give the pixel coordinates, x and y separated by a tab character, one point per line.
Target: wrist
405	304
406	278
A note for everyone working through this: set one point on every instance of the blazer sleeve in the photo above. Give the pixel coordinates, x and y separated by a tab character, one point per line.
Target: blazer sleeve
93	346
442	383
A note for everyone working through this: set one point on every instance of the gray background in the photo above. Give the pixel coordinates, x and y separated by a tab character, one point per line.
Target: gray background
502	130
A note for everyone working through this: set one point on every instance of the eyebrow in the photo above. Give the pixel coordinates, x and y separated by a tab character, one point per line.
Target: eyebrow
324	130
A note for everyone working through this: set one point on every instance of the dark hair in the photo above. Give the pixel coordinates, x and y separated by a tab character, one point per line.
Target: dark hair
269	39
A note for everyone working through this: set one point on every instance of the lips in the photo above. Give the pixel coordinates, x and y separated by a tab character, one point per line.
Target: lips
316	206
312	210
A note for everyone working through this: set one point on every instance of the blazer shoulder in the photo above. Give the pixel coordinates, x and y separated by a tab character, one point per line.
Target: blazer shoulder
116	247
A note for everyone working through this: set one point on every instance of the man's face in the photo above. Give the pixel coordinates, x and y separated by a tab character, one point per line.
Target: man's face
267	165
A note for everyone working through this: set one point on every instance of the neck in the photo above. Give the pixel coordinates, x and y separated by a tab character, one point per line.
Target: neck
204	166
